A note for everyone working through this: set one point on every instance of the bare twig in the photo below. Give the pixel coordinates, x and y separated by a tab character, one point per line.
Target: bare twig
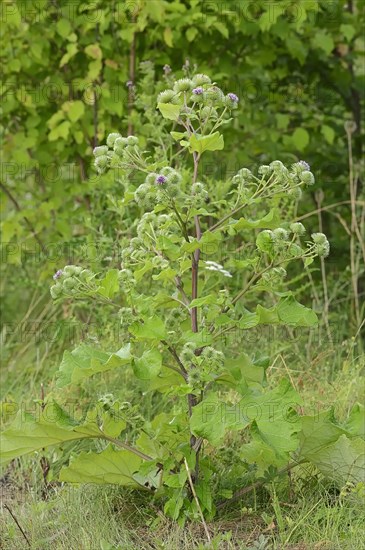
195	257
18	524
354	226
173	352
132	77
27	221
196	500
319	198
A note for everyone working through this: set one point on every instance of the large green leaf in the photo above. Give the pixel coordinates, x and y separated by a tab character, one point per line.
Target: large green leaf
272	411
317	432
342	461
209	243
86	361
287	312
300	138
53	427
151	329
109	466
210	419
169	111
213	142
333	448
355	424
149	365
291	312
243	369
260	453
271	220
109	285
275	417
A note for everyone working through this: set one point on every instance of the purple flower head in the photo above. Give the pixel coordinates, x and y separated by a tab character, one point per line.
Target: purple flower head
129	84
233	97
198	91
160	180
167	69
305	164
58	274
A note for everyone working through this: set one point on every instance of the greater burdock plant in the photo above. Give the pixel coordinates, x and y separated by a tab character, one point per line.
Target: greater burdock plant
190	278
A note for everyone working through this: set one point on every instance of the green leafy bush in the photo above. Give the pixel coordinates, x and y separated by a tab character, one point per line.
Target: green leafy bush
175	301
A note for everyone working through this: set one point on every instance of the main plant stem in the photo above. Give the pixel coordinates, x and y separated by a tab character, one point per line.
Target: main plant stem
192	401
195	257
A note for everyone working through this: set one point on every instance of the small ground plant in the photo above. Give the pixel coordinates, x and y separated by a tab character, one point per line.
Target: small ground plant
202	262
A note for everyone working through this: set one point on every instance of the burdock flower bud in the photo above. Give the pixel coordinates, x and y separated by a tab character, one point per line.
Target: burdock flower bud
322	246
299	167
208	353
200	192
56	290
69	284
136	243
174	178
178	315
194	378
323	249
85	275
101	163
111	139
245	174
167	170
231	100
295	192
125	276
183	85
160	179
264	170
200	79
151	178
132	140
141	193
126	254
307	177
70	270
187	355
163	218
233	97
280	234
304	164
277	166
294	250
160	263
215	94
174	191
100	151
119	145
165	96
297	228
319	238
